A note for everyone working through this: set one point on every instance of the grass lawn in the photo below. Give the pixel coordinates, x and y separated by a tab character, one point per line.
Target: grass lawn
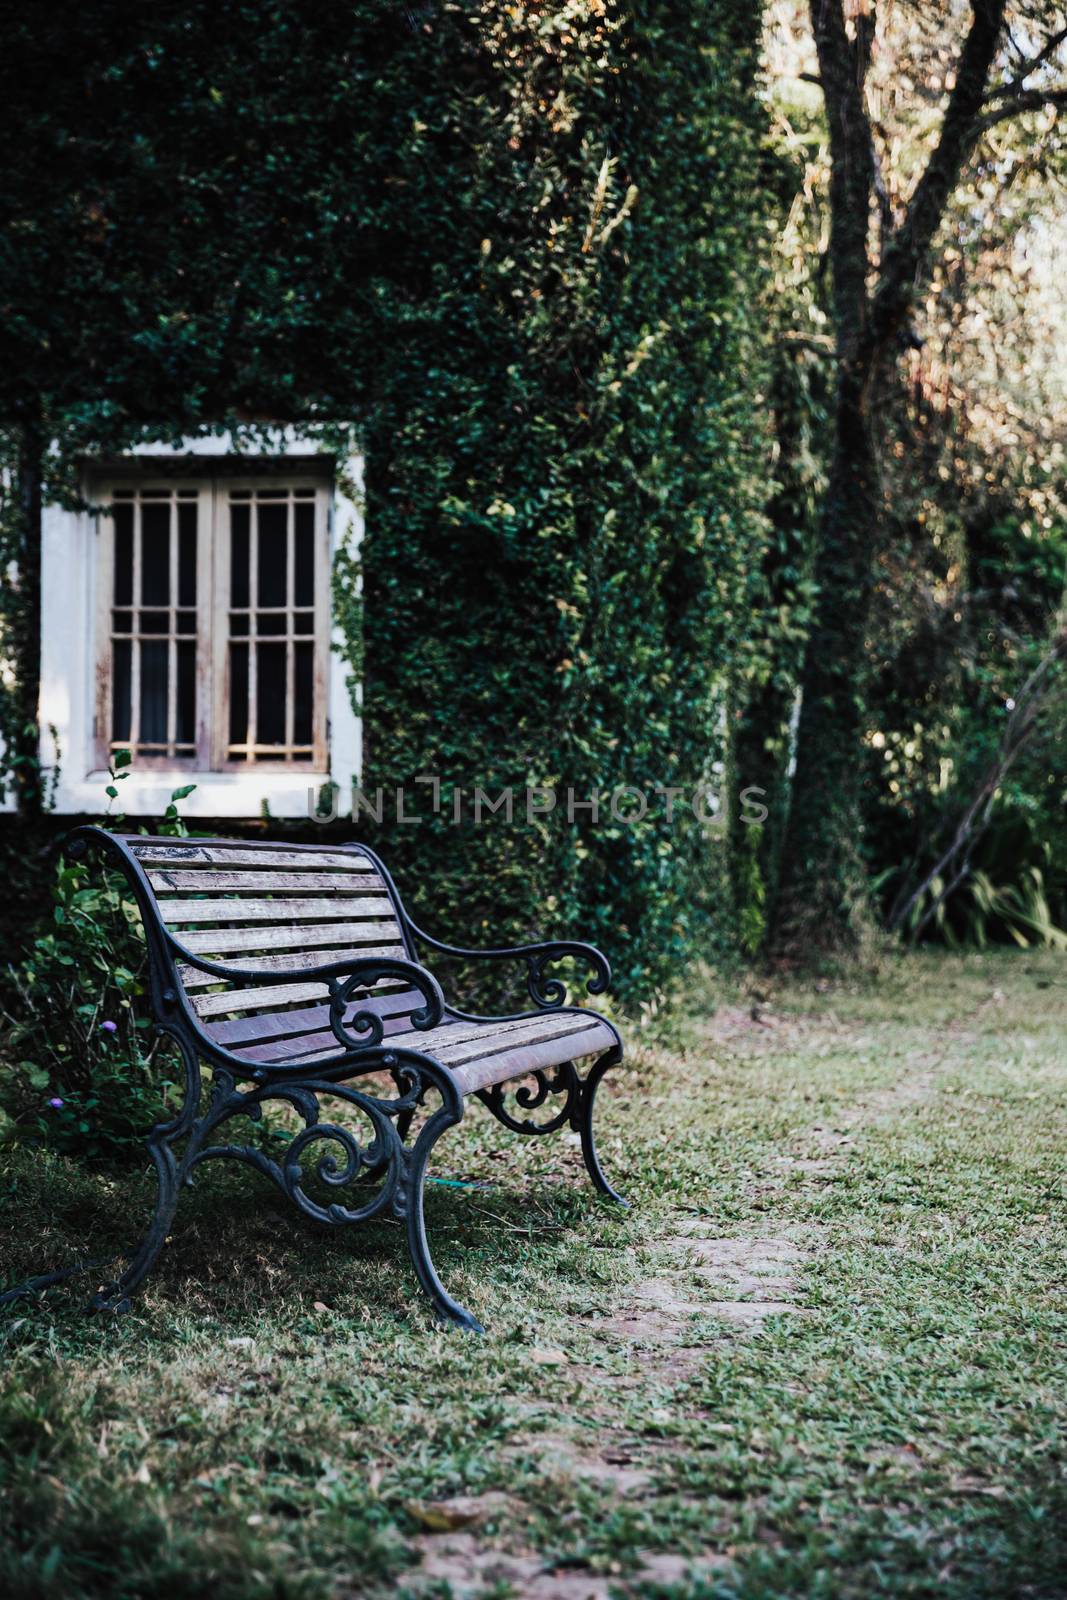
824	1354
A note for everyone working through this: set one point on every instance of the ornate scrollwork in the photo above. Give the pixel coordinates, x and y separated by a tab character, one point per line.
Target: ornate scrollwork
344	1158
366	1028
550	993
563	1080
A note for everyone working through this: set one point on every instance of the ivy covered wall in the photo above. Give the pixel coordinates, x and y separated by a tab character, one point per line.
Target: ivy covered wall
520	248
564	464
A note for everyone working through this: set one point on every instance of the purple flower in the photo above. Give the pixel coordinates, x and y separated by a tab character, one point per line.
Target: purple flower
56	1103
109	1027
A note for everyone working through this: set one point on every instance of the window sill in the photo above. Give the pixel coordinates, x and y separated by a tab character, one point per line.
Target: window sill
217	794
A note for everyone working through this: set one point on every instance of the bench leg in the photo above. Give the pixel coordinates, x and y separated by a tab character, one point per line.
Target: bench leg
170	1173
582	1122
116	1296
414	1182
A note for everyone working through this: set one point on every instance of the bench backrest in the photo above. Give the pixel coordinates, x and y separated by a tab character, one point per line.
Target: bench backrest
269	907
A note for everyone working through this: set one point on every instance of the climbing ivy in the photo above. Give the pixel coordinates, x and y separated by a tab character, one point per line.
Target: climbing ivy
519	248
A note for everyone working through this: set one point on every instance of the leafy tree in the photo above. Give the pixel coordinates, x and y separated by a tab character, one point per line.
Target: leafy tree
889	202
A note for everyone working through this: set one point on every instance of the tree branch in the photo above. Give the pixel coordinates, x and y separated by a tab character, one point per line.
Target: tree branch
843	66
1030	100
1017	731
909	249
1044	55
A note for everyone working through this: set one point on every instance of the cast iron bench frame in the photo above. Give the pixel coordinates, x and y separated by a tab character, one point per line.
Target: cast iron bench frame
398	1167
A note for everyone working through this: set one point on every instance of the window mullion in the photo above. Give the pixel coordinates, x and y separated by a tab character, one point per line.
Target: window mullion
290	622
135	630
252	735
321	645
209	663
172	630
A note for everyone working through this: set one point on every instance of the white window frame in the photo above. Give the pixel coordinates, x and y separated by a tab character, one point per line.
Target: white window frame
73	615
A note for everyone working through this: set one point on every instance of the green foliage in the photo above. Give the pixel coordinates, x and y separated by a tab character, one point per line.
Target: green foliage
564	471
521	247
1015	889
79	1065
77	1040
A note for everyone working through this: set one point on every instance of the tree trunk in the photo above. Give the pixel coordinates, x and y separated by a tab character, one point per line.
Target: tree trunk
821	902
24	757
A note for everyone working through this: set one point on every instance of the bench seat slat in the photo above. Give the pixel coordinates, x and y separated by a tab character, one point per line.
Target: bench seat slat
229	941
176	912
453	1042
264	1032
187	853
193	978
500	1036
478	1066
267	997
485	1071
175	880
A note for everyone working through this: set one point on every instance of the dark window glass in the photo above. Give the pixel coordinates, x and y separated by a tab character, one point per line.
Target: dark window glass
273	553
120	690
238	693
155	621
303	692
187	554
153	728
238	555
239	622
122	622
304	622
124	555
270	694
155	555
304	575
186	621
270	622
185	732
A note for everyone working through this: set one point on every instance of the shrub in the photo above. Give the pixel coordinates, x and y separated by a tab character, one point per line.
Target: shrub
80	1067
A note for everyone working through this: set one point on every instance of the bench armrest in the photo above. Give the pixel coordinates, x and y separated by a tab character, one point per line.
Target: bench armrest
545	992
342	979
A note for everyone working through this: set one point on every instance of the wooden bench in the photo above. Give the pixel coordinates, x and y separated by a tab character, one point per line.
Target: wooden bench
293	970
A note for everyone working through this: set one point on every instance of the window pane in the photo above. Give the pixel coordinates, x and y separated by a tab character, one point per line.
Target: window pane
273	550
270	622
155	555
304	692
270	694
238	622
155	621
185	732
154	691
238	693
304	622
120	690
187	554
122	622
304	577
238	555
124	555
